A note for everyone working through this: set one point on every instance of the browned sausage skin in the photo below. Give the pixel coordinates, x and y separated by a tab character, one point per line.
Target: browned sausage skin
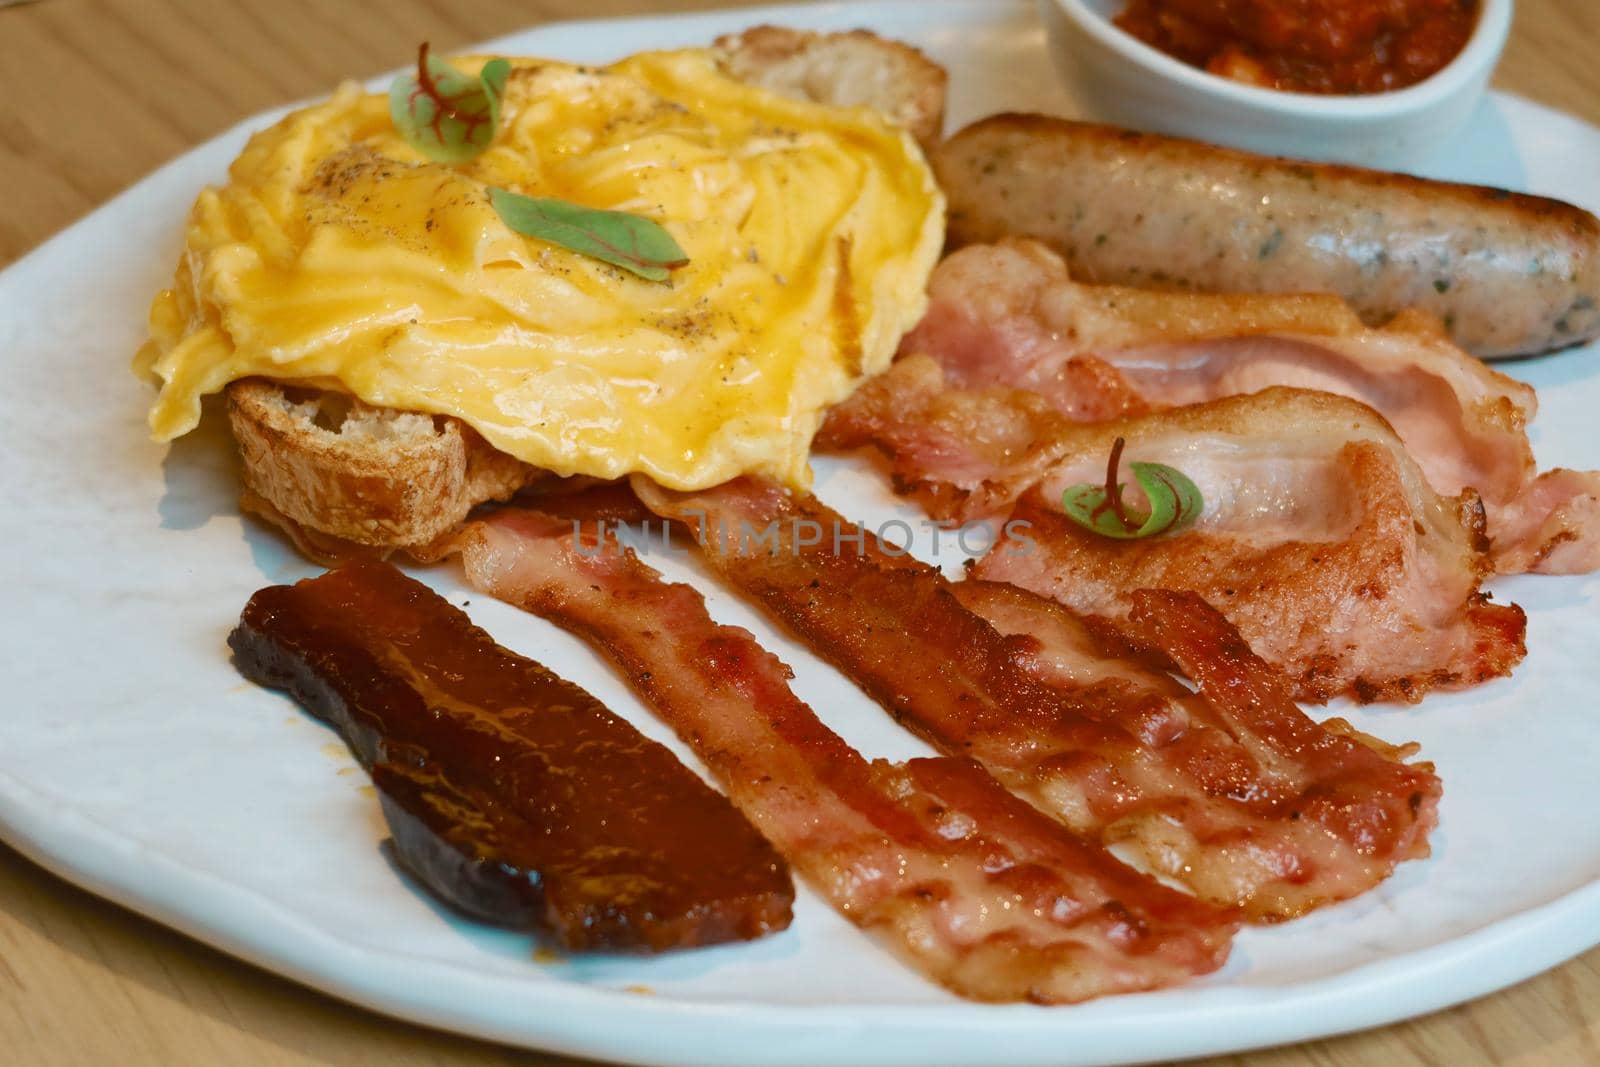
1509	274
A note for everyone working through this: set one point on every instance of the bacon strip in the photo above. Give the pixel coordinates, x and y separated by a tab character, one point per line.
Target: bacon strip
1358	785
1547	529
1008	314
1209	794
1321	540
963	454
973	886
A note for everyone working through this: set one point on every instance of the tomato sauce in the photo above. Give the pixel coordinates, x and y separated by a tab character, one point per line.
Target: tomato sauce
1308	46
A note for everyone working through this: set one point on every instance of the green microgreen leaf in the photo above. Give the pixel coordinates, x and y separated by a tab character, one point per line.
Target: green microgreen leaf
631	242
1175	501
444	114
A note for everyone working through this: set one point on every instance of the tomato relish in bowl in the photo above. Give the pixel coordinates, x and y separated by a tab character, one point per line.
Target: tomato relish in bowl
1308	46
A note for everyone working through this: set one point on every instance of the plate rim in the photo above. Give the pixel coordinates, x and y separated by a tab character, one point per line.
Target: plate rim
39	824
268	935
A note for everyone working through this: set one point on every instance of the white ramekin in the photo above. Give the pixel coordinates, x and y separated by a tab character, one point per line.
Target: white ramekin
1127	83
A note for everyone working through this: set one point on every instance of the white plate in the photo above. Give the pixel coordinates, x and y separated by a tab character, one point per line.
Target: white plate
134	761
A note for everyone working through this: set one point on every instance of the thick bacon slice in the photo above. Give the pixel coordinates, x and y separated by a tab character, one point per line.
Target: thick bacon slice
1320	539
1547	529
1364	794
973	886
1116	751
1008	314
963	454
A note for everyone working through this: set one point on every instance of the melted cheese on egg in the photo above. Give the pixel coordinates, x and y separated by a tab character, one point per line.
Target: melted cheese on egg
337	255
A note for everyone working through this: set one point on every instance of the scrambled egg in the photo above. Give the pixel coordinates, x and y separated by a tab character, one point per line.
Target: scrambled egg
337	255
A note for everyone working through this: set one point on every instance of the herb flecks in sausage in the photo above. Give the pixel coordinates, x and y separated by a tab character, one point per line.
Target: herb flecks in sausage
1210	219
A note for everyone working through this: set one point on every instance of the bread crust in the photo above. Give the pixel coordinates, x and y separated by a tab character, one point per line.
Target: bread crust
372	477
853	69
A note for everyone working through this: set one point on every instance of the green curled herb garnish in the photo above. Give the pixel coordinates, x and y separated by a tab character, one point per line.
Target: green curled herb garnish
1175	501
631	242
444	114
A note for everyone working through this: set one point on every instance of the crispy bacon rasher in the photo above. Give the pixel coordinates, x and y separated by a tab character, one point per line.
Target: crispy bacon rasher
1320	539
1243	799
973	886
1008	314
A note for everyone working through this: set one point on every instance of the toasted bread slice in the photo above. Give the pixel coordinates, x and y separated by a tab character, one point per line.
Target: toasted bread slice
855	69
360	475
345	479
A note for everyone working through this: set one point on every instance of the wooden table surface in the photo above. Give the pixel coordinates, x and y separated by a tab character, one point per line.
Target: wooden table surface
97	93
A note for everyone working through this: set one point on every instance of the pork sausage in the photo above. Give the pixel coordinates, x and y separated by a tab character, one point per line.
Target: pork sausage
1509	274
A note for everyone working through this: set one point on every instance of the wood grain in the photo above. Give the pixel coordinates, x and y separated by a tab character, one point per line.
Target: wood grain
97	93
